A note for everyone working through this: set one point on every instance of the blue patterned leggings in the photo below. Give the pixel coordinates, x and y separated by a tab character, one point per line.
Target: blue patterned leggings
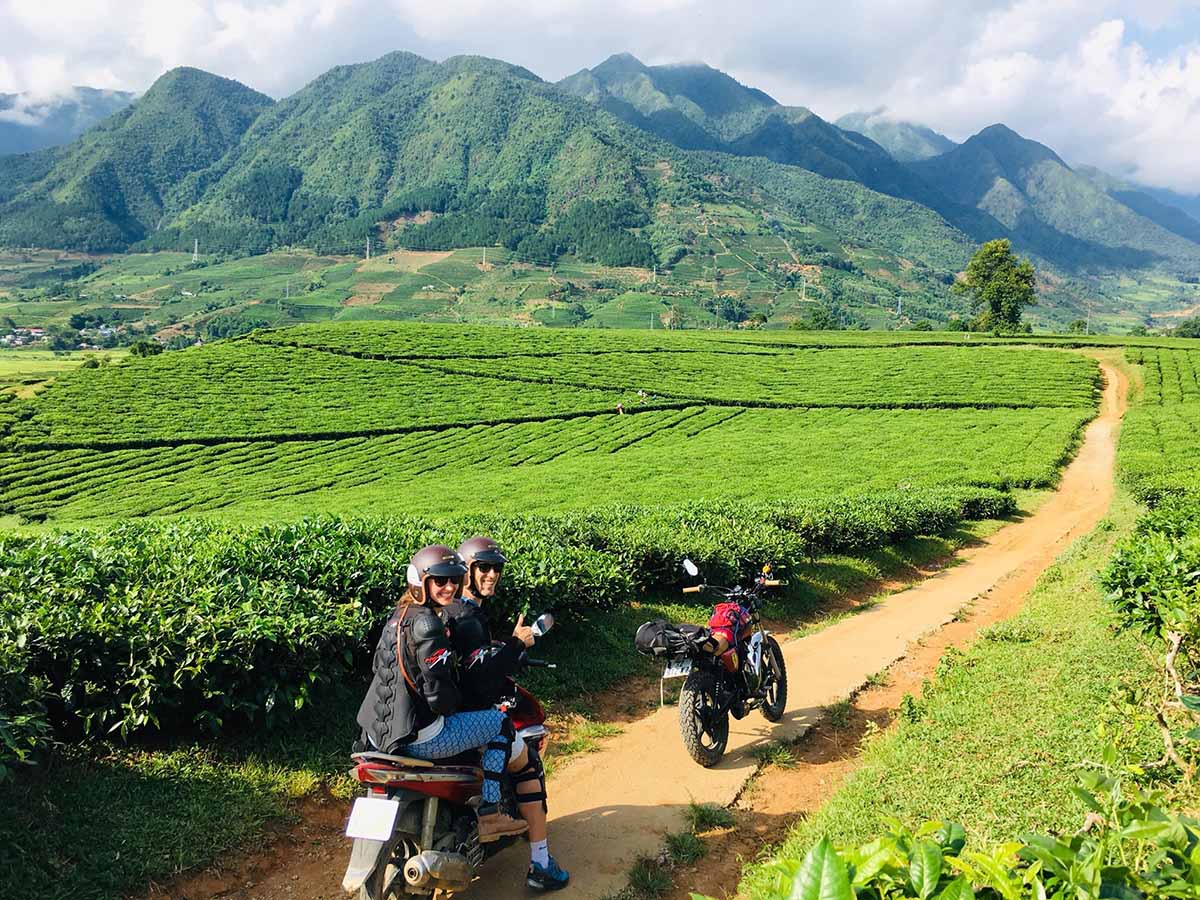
465	730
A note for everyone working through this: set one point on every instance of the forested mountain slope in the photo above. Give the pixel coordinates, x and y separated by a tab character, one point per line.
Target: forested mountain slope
697	107
1143	203
111	187
1050	209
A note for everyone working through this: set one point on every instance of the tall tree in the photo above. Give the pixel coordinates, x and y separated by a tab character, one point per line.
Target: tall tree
1000	286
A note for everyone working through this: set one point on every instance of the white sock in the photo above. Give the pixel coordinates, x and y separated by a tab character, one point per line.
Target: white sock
539	852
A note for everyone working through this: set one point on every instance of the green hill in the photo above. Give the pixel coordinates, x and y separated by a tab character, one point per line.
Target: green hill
1051	210
906	141
697	107
112	186
1162	213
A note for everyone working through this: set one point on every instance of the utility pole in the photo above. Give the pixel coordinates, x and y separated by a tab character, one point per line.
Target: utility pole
485	257
803	288
287	290
368	249
196	250
1088	327
899	306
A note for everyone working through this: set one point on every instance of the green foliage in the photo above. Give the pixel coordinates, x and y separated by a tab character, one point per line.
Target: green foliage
1189	328
1132	847
999	284
685	848
144	348
1159	455
24	727
707	817
189	624
1154	576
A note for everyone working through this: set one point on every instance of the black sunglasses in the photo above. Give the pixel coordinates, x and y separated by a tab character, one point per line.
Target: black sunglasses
489	567
443	580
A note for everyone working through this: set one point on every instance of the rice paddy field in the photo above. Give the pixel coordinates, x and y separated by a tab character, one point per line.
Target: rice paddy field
427	419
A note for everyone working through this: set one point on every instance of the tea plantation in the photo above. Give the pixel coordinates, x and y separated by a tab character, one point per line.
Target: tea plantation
203	542
419	419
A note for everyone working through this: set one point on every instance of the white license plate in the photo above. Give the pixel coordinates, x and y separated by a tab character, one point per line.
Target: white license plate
680	668
372	818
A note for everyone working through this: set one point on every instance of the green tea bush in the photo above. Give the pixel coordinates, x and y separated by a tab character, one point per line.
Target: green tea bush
191	623
24	727
1153	578
1131	847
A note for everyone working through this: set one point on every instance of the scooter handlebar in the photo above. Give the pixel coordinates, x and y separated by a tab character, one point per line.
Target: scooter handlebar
539	664
693	589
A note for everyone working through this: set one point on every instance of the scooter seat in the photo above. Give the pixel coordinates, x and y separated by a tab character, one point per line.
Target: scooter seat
392	759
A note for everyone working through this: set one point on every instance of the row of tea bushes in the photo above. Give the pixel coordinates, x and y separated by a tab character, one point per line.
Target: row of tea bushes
190	623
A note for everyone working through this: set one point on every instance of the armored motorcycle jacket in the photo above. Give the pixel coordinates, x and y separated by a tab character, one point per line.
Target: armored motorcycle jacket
415	680
485	665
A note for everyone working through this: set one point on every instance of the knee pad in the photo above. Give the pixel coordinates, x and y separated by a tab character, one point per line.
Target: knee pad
506	742
533	771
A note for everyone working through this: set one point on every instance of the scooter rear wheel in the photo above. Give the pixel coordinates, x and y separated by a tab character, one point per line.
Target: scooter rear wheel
705	731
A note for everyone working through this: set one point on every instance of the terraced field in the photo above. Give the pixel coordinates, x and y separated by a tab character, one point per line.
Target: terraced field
1160	441
426	419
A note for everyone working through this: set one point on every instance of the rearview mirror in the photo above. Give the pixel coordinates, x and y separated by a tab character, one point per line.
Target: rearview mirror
691	568
543	624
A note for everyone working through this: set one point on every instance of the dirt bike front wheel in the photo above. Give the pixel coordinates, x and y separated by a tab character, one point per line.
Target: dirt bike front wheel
775	701
704	727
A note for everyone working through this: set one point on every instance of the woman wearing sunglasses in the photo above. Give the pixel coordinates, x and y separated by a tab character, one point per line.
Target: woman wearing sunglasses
414	705
487	667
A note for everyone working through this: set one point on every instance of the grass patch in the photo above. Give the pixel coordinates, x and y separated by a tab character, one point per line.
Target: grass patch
838	714
775	753
583	736
648	877
994	743
684	848
708	817
877	679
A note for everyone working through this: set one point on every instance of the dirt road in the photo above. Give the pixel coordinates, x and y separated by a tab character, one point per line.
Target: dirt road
609	807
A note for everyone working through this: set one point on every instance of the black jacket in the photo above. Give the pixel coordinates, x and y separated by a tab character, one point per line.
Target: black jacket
486	665
394	710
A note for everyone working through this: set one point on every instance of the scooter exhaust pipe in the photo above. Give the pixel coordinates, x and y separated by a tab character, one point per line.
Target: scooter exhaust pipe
450	871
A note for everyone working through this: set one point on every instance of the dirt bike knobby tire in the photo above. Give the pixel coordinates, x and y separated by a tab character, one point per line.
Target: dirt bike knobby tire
699	687
773	657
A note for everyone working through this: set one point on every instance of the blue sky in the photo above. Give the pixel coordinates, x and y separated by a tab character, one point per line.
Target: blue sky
1112	83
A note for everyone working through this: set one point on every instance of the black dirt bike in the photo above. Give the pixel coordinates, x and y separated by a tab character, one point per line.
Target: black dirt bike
750	675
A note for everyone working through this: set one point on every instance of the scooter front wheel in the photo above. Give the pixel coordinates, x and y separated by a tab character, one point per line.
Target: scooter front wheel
703	725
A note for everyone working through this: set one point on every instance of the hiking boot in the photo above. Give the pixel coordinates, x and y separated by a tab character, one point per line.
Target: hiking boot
494	824
547	878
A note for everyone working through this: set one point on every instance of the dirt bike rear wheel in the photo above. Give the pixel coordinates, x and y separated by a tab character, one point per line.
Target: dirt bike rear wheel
775	701
705	731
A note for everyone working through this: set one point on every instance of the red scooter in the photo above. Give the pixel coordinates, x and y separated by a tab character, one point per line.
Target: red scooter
415	831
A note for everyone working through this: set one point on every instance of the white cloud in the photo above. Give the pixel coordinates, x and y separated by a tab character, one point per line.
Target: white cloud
1069	73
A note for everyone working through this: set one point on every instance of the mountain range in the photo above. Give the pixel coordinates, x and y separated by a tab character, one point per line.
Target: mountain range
476	151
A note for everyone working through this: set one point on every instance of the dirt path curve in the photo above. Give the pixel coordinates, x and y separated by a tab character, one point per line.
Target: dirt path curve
609	807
